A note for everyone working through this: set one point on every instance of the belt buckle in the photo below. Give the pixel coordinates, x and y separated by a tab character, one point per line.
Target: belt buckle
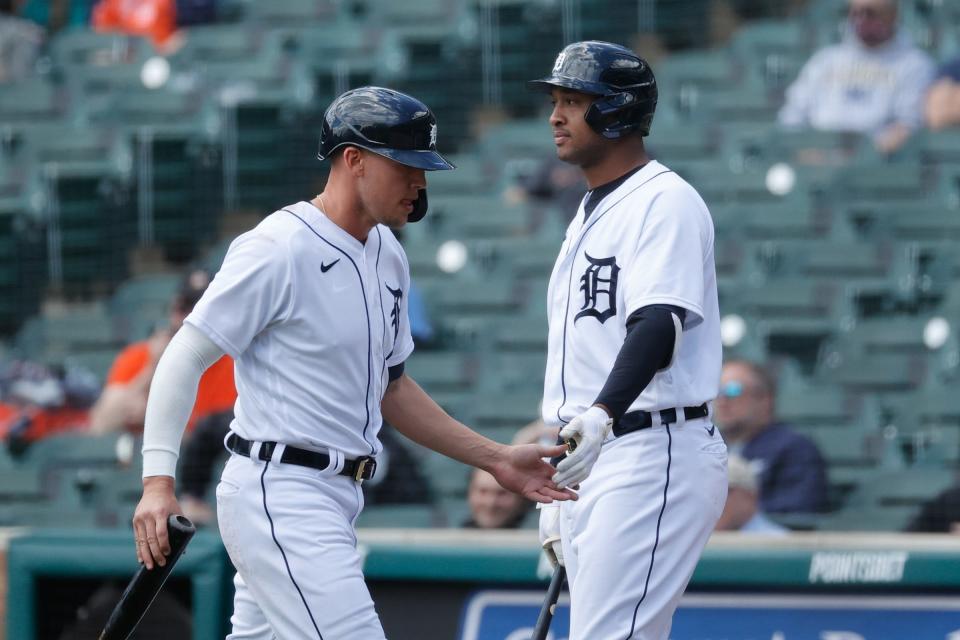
361	469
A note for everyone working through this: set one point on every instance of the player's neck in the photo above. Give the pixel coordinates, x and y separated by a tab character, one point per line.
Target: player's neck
622	158
344	213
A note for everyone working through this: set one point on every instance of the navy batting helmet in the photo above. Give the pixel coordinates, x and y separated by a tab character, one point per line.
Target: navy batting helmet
622	81
389	123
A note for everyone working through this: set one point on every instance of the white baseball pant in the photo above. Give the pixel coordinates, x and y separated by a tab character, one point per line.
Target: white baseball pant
289	531
633	539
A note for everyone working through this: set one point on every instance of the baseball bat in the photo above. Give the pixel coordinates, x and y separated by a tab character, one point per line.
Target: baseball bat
559	575
549	604
146	583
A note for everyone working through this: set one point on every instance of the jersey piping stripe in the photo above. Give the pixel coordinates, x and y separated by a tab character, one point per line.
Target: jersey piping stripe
656	540
566	312
380	291
366	309
263	487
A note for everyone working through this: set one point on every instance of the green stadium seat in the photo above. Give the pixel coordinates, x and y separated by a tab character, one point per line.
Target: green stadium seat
681	142
448	477
479	216
902	334
441	371
506	411
699	68
788	299
869	519
396	516
790	218
514	371
48	515
291	12
888	372
844	445
29	101
814	406
22	484
879	182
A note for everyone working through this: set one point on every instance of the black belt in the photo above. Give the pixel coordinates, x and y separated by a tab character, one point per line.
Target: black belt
637	420
360	469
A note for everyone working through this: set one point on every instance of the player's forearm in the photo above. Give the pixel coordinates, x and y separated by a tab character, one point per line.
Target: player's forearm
172	396
414	414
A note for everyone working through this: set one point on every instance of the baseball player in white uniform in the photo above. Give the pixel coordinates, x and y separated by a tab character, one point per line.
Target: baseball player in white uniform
312	306
633	358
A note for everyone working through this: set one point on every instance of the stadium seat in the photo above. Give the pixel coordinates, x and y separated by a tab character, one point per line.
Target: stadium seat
441	371
448	477
402	516
814	406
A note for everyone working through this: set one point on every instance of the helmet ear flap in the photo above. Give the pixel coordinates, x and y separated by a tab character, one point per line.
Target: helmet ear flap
606	116
419	207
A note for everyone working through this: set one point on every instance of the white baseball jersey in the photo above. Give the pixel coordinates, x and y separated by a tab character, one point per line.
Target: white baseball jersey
313	319
648	242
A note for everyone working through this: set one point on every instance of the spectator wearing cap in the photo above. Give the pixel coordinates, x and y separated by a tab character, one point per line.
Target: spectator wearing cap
742	510
123	402
788	465
872	82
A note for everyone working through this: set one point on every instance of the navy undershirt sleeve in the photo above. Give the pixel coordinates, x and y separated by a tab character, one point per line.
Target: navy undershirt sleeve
646	349
395	371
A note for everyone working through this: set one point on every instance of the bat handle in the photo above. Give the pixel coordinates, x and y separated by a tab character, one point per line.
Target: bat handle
550	603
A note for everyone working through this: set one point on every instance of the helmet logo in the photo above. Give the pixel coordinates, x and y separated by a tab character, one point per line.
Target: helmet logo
558	65
433	134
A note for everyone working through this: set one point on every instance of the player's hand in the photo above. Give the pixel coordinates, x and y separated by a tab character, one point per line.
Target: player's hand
522	469
150	520
550	533
588	430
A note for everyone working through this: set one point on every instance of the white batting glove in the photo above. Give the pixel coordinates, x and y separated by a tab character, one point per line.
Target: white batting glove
588	430
550	532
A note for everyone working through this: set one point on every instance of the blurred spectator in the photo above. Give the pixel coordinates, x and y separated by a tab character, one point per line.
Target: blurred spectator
398	479
554	184
789	465
939	515
872	82
123	403
20	42
202	452
492	506
421	329
37	401
154	19
742	510
943	99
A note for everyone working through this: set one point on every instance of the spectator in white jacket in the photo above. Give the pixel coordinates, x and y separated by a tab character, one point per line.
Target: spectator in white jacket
872	82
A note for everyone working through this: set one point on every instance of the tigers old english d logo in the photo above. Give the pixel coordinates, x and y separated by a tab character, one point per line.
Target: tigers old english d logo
599	286
395	312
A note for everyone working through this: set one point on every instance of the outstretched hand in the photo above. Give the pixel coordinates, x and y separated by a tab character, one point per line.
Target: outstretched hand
522	469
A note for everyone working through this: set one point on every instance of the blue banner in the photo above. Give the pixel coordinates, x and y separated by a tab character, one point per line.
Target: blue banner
511	615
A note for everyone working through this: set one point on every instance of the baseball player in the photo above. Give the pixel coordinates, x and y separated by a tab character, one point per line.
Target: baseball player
312	306
633	358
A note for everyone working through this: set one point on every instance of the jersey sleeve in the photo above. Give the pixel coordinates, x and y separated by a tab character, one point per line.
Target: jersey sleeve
667	264
252	290
403	346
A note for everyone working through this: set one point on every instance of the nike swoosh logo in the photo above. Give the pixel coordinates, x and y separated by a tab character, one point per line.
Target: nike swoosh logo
326	267
711	430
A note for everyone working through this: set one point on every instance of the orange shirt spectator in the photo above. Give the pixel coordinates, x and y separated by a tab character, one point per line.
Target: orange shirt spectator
155	19
216	392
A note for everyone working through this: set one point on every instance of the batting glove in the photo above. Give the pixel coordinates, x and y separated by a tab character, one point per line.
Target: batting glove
550	532
588	430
